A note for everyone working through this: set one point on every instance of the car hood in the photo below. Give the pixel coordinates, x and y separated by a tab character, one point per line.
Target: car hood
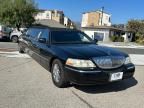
86	51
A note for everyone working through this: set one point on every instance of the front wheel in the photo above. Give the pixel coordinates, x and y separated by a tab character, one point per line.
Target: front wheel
58	75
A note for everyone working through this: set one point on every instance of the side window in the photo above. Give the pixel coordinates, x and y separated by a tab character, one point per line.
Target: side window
44	34
33	33
5	29
28	32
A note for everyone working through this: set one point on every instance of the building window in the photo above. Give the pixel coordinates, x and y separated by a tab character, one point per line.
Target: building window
47	15
98	36
109	19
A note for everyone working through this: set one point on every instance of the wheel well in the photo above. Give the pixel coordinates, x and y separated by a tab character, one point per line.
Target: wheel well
14	36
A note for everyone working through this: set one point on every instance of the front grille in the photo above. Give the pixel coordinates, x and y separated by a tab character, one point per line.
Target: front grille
109	62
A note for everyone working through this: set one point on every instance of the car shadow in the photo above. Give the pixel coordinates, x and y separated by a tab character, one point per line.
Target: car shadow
111	87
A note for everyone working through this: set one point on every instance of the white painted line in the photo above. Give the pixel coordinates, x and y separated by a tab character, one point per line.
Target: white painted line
137	59
14	54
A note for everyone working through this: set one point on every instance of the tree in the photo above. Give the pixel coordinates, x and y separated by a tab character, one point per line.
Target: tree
133	25
136	26
120	26
17	13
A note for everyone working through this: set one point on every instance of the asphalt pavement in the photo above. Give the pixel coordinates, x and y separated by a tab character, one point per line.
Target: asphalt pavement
25	84
8	46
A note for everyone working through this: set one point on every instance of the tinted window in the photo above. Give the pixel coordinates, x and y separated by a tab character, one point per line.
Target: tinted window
33	32
70	37
44	34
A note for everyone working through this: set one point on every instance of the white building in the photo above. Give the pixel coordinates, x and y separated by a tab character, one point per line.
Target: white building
84	22
55	15
95	18
66	21
100	33
103	33
44	14
105	19
128	36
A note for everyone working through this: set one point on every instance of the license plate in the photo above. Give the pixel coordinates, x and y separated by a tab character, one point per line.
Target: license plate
116	76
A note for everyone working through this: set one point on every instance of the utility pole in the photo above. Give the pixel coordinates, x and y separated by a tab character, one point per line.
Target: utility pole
102	10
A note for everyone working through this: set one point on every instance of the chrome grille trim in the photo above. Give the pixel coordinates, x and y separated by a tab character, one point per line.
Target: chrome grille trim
109	62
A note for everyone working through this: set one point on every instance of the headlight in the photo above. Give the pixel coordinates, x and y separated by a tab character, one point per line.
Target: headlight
127	60
80	63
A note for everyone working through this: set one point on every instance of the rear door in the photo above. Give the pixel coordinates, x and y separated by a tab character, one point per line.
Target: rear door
41	52
34	45
32	42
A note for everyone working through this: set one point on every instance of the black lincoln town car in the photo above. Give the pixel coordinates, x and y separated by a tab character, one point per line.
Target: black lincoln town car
73	57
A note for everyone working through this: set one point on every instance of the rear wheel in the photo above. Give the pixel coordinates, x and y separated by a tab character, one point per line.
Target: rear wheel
14	39
58	75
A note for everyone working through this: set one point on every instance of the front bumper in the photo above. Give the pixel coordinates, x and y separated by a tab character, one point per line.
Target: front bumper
97	76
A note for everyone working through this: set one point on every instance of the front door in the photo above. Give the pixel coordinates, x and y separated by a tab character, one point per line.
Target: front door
44	49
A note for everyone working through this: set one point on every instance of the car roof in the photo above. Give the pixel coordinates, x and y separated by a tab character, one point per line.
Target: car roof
52	28
50	23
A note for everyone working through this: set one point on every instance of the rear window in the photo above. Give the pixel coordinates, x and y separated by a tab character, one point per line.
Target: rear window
4	29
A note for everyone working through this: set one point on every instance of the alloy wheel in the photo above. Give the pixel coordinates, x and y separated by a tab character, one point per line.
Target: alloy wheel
56	73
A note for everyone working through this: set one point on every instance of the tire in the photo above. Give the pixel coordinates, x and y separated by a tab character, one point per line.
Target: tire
58	75
14	39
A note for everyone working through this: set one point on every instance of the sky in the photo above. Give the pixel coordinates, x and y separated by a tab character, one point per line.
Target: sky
121	10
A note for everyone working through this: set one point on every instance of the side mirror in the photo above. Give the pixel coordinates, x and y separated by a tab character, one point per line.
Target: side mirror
96	40
42	40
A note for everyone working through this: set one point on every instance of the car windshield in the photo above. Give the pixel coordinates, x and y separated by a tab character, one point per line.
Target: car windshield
75	37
